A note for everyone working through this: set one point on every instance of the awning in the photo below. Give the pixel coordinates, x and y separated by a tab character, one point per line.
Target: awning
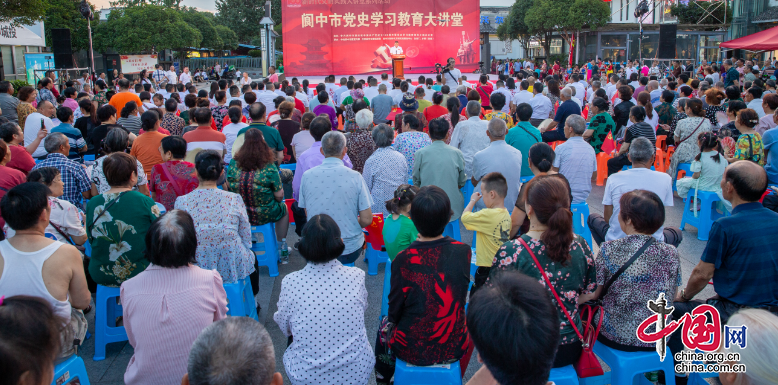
766	40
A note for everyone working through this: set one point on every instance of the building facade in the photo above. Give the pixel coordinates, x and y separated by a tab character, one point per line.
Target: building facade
15	41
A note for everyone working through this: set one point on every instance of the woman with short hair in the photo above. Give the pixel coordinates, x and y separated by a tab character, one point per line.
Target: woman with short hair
167	305
622	109
116	223
384	170
412	139
26	95
117	140
175	177
657	268
412	331
560	253
303	140
359	141
223	230
287	128
687	134
329	342
601	124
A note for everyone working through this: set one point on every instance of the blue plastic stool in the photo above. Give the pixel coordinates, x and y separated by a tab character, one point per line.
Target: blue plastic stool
682	166
410	181
707	215
106	310
405	374
565	375
161	208
89	158
349	264
269	246
387	287
467	191
289	166
581	221
374	258
69	369
526	179
452	230
628	367
241	299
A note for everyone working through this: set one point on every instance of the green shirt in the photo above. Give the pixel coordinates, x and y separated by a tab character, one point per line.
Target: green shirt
184	115
257	188
348	100
522	137
398	234
423	104
118	238
444	166
272	137
602	124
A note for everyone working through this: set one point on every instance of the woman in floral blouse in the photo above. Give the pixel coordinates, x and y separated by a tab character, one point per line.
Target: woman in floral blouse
565	257
175	177
26	96
749	144
411	140
223	230
657	270
100	96
360	143
116	223
600	125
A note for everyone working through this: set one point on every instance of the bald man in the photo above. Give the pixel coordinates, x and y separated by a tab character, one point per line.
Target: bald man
740	255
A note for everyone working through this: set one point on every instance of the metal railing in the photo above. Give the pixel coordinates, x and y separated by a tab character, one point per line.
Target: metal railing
207	62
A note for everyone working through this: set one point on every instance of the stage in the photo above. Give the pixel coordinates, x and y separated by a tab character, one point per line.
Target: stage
414	77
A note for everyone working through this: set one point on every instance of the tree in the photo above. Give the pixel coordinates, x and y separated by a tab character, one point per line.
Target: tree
565	17
19	12
199	21
228	37
66	14
514	27
144	29
241	16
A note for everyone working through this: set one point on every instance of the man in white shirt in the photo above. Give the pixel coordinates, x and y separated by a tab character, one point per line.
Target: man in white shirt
231	130
331	87
469	136
508	96
338	92
396	93
453	76
172	78
606	227
84	79
396	50
523	96
465	83
343	95
541	106
753	98
574	92
653	89
580	91
590	92
372	90
266	97
610	89
385	81
185	77
33	124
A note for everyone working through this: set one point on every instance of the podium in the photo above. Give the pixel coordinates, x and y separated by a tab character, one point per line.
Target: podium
397	66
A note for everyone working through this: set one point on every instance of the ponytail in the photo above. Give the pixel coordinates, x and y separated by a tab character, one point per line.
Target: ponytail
549	197
709	141
403	197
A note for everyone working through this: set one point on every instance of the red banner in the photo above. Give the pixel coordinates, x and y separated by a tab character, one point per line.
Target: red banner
323	37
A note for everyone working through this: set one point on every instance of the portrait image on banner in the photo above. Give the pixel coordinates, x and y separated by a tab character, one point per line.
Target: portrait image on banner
133	64
36	63
323	37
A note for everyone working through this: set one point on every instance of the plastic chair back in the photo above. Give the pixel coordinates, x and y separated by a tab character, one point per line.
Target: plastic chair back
240	297
406	374
106	312
269	245
565	375
70	369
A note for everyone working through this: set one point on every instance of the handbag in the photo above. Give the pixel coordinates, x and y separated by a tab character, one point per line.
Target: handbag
692	134
588	365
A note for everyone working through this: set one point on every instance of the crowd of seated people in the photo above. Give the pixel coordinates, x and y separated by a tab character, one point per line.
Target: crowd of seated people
68	182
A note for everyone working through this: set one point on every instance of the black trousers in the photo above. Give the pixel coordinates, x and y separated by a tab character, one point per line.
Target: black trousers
553	136
300	219
599	228
771	202
616	163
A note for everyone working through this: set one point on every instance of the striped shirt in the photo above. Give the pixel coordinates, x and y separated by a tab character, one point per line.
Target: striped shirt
575	160
75	139
203	138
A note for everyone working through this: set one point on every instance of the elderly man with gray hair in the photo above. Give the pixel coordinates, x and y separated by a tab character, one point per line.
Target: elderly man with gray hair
340	192
77	183
359	143
575	159
469	135
606	227
385	170
498	157
220	355
567	108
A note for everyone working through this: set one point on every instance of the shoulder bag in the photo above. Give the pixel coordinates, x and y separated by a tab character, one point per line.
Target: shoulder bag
692	134
172	180
624	267
588	365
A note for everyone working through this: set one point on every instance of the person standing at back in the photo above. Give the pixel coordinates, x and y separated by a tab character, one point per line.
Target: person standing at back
125	95
469	136
442	165
499	157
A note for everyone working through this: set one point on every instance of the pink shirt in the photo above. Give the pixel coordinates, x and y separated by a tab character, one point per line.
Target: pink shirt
164	311
71	103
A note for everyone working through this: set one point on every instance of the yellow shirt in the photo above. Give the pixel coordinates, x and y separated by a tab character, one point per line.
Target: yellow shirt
493	227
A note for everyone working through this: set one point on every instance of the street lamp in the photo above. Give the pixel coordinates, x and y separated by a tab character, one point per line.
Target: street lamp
86	11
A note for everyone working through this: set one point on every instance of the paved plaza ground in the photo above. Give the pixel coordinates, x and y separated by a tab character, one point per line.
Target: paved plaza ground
111	370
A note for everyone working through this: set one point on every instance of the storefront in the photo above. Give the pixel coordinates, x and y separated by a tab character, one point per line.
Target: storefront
621	46
14	42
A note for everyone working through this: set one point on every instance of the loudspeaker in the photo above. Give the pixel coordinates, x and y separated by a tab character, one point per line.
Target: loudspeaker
667	35
63	53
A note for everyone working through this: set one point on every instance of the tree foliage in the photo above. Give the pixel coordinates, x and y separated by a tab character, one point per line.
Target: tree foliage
694	12
66	14
565	17
145	28
228	37
20	12
241	16
199	21
514	27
